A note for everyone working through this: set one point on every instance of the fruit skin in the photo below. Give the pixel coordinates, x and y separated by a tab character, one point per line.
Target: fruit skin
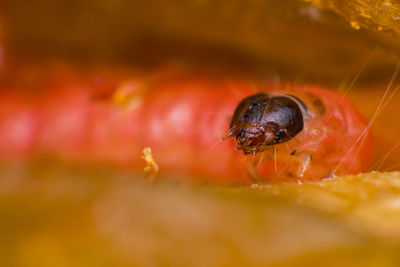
107	117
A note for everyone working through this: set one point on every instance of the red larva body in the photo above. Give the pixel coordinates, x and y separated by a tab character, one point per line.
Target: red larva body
183	121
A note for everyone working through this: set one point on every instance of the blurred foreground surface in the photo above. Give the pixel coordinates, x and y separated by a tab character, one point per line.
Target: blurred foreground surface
54	215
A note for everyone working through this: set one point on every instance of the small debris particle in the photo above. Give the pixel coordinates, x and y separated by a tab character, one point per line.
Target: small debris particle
151	169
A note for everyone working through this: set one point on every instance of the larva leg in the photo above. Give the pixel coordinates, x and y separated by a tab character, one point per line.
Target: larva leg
252	171
305	163
304	158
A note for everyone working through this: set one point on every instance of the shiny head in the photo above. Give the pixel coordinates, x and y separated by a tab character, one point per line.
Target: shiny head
263	120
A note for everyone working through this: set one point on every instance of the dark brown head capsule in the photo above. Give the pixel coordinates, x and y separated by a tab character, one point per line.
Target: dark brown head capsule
262	120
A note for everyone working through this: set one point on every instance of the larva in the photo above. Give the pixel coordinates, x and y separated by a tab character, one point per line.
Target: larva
204	129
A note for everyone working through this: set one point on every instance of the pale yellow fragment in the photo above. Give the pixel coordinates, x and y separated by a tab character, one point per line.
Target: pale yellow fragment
129	94
151	169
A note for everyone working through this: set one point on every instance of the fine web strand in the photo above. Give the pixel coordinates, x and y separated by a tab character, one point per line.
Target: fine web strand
216	144
366	129
378	164
377	113
348	88
275	165
381	161
390	97
345	93
261	159
363	133
395	166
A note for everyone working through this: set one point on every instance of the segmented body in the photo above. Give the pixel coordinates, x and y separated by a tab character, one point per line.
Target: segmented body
109	118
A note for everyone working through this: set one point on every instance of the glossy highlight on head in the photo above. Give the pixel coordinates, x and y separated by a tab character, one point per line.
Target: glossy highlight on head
262	120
